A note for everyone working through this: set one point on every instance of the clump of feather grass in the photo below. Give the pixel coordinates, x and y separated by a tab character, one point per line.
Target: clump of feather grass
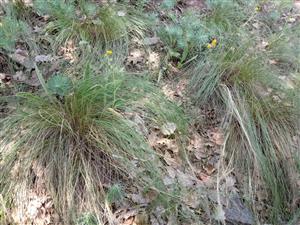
239	77
83	142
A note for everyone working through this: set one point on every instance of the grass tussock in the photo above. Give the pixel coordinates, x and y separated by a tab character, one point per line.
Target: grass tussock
11	31
110	24
83	143
244	78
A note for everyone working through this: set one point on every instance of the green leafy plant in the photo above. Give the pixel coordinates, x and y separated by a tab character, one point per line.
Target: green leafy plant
83	143
59	85
183	37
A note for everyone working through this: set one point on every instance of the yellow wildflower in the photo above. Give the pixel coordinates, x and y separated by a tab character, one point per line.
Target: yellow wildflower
1	24
109	52
214	43
258	8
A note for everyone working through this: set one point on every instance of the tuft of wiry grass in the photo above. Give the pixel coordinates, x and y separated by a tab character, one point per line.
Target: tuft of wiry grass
83	143
257	85
11	31
108	24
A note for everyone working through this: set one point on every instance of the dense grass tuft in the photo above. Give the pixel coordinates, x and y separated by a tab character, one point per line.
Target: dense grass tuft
83	142
108	24
250	77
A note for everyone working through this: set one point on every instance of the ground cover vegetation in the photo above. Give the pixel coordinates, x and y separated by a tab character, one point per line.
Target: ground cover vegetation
149	112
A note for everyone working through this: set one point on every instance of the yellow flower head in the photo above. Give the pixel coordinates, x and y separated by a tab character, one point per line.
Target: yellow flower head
1	24
258	8
109	52
214	42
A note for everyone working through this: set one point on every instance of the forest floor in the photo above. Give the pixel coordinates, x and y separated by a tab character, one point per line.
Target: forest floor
227	150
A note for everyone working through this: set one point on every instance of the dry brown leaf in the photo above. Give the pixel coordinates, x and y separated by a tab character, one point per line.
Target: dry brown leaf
43	58
217	136
151	40
263	45
126	216
203	177
171	172
273	62
196	146
152	139
128	221
168	91
209	169
141	219
169	160
168	128
140	124
121	13
29	80
19	76
195	4
135	57
138	198
192	199
154	221
33	80
3	76
22	57
151	195
153	61
185	179
181	86
69	52
169	144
